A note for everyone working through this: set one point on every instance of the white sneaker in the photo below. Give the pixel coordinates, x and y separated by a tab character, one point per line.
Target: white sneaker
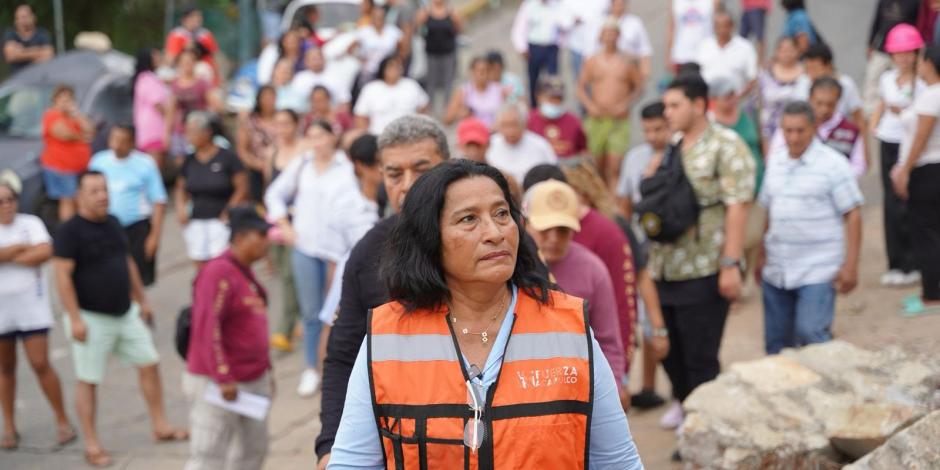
673	417
309	383
910	278
892	278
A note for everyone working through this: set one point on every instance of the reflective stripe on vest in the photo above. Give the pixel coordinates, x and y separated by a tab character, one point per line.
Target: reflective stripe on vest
537	414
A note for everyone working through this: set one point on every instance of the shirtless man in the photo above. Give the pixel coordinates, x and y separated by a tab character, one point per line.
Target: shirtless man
609	83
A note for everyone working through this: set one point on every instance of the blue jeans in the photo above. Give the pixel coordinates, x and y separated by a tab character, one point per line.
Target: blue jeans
797	317
310	283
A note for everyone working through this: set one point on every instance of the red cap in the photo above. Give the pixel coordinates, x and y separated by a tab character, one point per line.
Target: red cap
472	130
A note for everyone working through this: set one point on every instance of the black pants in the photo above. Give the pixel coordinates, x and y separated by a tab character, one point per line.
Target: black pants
540	58
896	224
695	331
924	204
136	236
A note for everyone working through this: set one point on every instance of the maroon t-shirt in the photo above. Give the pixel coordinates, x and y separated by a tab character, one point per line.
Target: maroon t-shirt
228	340
605	239
565	133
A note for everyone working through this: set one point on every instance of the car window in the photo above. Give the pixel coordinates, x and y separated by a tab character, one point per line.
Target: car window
21	111
113	103
340	16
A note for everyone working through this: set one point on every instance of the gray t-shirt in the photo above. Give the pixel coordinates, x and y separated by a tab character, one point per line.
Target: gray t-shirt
631	172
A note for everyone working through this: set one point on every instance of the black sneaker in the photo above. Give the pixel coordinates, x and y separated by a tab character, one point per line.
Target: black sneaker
676	456
647	399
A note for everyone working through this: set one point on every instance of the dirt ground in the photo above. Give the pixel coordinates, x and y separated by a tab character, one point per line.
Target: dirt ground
868	317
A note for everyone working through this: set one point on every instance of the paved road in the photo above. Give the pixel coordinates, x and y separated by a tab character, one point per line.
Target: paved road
123	421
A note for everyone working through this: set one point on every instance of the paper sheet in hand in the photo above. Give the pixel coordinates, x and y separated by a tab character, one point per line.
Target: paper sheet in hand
247	404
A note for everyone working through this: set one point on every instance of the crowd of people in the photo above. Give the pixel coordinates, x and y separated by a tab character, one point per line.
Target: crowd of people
376	225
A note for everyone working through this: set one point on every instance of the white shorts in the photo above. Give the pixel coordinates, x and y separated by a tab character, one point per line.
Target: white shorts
28	310
205	238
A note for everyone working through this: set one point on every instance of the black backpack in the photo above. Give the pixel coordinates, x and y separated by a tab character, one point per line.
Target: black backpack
669	206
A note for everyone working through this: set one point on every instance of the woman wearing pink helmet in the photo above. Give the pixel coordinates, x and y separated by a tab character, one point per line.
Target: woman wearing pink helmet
896	90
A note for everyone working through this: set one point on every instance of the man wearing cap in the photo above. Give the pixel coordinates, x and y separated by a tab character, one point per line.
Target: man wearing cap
473	139
228	348
107	312
552	212
552	121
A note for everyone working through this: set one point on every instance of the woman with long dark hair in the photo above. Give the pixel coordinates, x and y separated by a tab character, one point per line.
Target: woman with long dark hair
254	140
154	107
390	96
915	179
476	361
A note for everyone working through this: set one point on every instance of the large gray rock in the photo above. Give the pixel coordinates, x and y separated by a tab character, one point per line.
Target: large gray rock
813	408
916	447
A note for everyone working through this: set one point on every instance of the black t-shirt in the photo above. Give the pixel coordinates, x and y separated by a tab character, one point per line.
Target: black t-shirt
100	250
210	184
39	38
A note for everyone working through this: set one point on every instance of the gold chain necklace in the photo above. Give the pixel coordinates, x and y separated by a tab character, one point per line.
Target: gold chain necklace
484	335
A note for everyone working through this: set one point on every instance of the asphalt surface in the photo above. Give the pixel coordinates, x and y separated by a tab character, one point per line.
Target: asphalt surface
122	418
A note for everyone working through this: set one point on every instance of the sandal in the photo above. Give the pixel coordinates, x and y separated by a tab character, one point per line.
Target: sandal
98	459
66	436
10	441
171	436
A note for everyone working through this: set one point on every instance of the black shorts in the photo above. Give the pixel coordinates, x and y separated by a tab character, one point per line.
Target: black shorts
752	24
12	335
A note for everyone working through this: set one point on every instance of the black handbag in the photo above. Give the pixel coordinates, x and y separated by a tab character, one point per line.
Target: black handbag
183	326
669	206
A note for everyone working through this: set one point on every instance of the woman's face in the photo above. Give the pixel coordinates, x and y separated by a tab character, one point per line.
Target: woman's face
378	17
283	73
393	72
197	136
156	57
904	60
267	100
480	73
479	238
285	126
321	139
291	43
186	64
925	69
320	102
64	101
787	53
8	206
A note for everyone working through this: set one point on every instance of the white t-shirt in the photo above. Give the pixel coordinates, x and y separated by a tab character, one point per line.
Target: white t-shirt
383	103
850	101
926	104
583	37
24	296
631	172
889	127
306	80
531	150
738	59
375	46
693	24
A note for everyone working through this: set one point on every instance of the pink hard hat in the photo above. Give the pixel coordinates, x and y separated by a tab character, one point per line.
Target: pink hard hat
903	38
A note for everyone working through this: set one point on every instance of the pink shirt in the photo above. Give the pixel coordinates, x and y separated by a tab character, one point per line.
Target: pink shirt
228	341
755	5
582	274
149	92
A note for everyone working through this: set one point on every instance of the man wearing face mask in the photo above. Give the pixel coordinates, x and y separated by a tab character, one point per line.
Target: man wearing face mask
552	121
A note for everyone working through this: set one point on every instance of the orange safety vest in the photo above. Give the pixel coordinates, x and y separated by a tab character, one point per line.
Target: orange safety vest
537	413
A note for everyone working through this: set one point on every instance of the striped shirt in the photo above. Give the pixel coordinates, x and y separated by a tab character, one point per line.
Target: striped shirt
806	199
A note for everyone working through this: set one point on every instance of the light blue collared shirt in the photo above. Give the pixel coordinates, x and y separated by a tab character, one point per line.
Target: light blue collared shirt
357	443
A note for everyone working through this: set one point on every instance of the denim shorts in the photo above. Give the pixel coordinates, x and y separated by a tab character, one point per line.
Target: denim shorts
59	184
752	24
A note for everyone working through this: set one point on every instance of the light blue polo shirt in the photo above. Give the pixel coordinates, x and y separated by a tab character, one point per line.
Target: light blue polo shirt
134	184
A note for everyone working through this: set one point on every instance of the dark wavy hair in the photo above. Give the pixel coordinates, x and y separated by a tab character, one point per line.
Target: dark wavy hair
412	266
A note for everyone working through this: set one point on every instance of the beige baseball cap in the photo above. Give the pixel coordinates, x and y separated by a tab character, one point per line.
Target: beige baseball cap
552	204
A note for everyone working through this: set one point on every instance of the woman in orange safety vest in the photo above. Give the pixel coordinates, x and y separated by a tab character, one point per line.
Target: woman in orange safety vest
476	363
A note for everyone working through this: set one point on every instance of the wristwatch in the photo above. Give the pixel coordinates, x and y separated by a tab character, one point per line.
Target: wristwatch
729	262
660	332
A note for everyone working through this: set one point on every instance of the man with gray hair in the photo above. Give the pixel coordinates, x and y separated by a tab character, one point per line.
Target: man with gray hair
407	148
515	149
813	200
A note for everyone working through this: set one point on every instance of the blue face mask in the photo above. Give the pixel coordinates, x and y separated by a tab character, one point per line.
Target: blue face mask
551	110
